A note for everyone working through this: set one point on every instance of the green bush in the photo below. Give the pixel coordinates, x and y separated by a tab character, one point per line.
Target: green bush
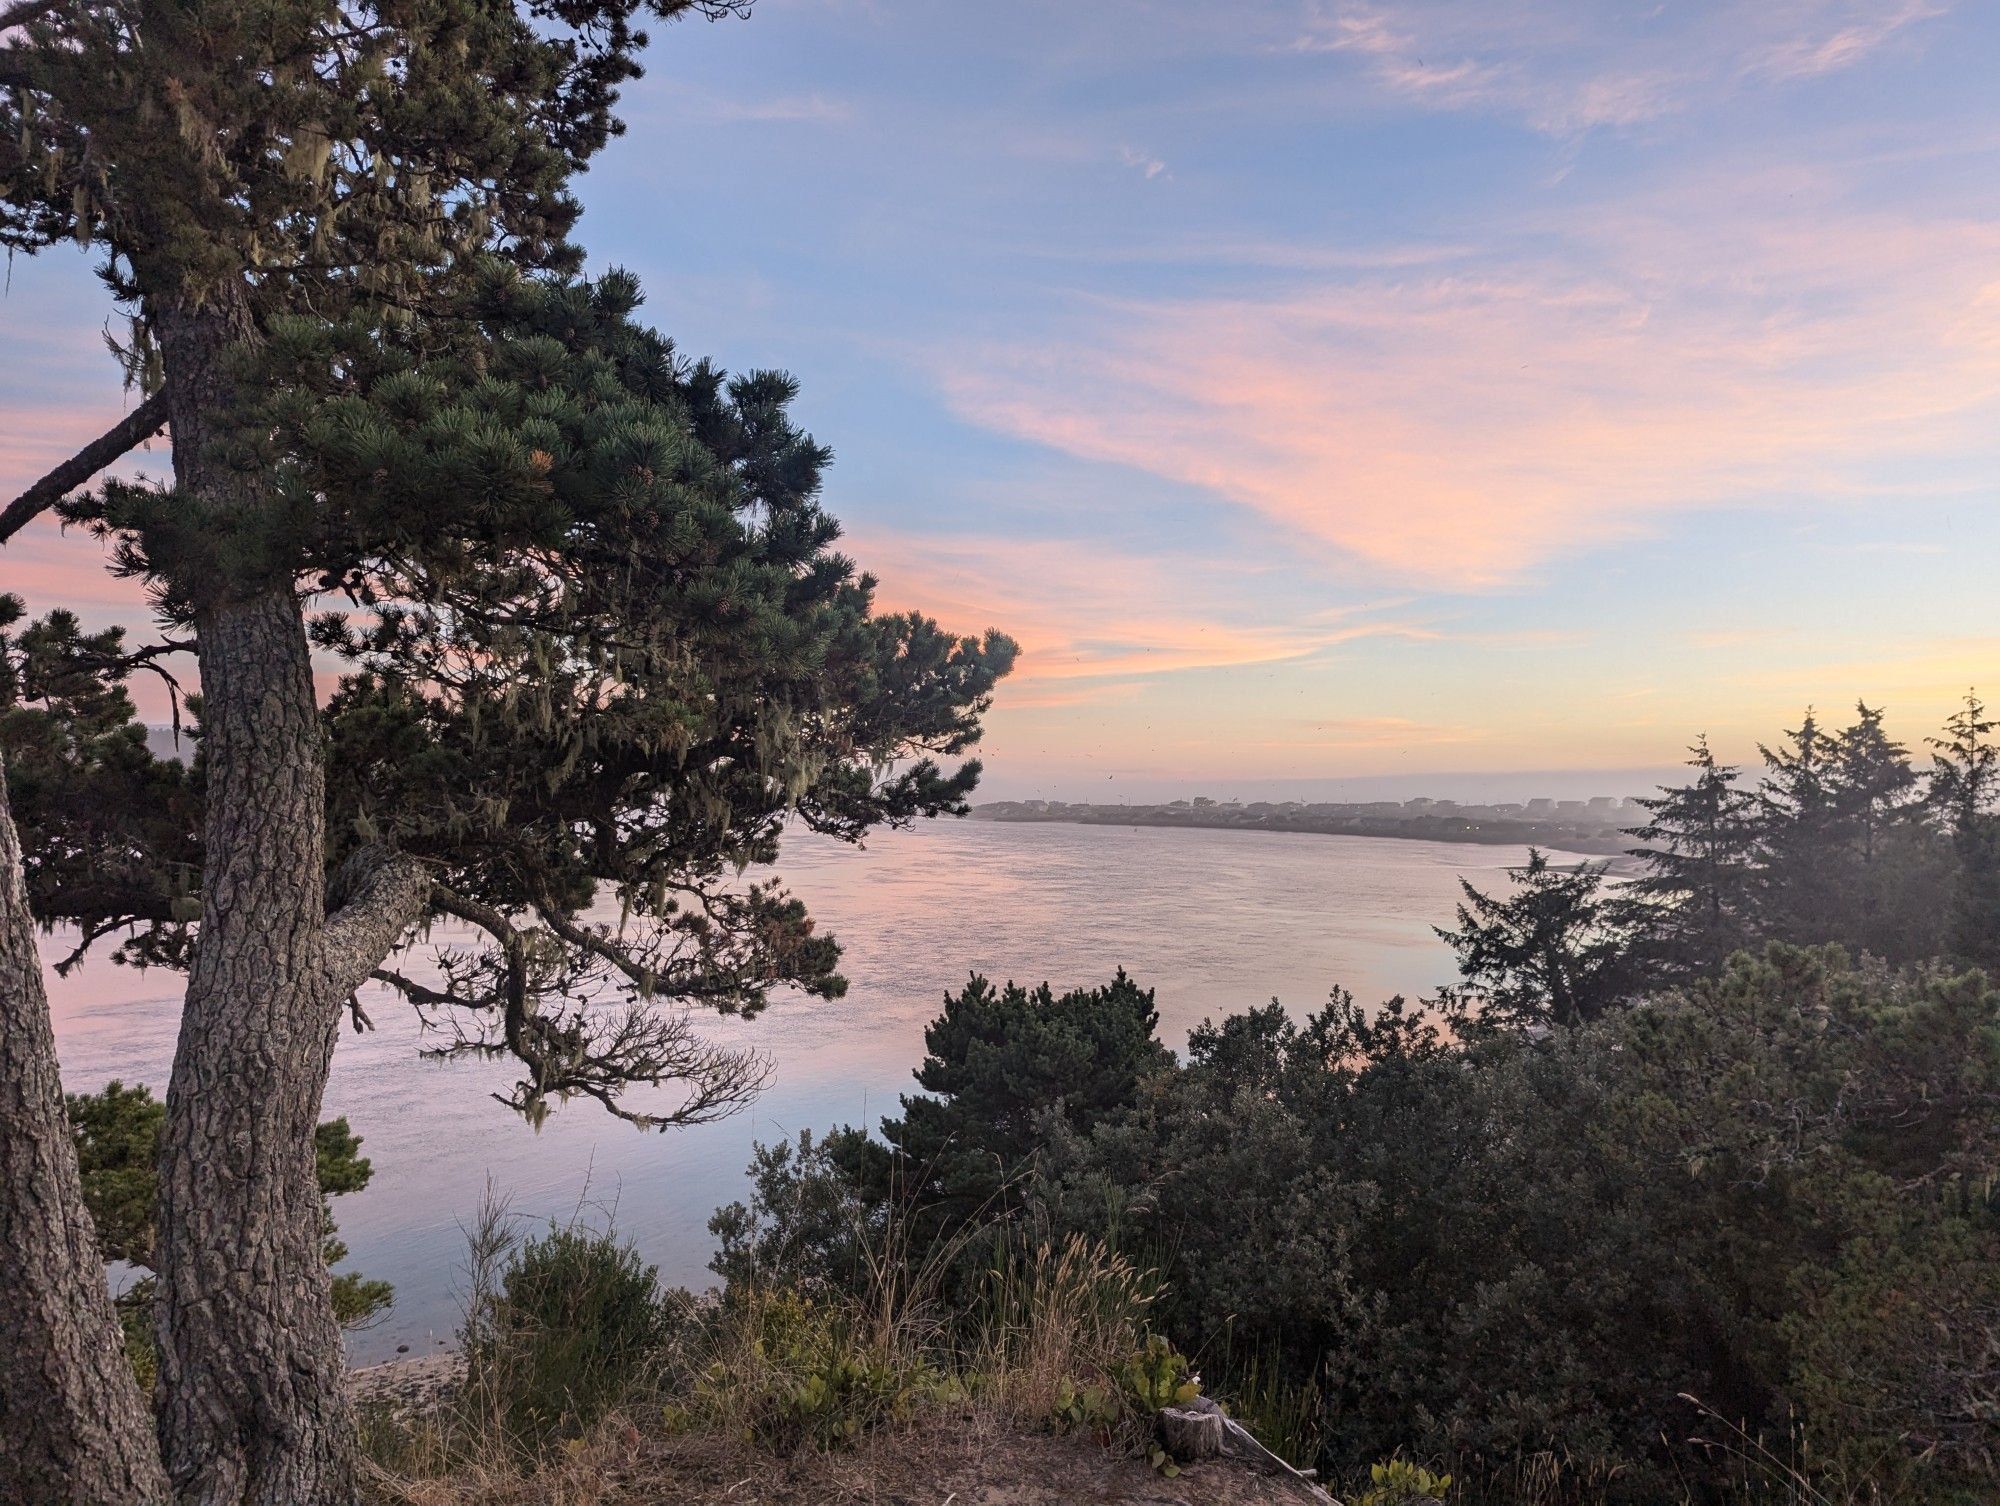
1526	1255
571	1328
1395	1481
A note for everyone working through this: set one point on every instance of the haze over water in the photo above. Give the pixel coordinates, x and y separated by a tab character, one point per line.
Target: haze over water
1215	921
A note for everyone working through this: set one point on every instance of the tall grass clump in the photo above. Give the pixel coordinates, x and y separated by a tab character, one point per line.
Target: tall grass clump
1058	1315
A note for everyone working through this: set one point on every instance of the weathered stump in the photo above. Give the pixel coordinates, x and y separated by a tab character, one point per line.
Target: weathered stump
1191	1434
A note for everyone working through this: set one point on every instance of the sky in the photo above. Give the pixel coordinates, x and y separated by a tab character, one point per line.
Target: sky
1421	396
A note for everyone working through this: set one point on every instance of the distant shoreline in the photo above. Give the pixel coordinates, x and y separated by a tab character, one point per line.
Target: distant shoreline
1591	838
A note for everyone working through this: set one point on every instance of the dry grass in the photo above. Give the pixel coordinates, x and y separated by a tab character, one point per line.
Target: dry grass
774	1397
1059	1315
972	1459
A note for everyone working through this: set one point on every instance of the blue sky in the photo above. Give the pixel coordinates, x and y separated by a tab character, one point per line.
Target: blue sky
1326	390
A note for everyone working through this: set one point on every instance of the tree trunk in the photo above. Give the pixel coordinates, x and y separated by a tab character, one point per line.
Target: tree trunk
73	1427
255	1410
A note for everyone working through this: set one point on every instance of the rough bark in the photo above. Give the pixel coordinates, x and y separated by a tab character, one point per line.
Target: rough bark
73	1427
1189	1435
252	1370
251	1360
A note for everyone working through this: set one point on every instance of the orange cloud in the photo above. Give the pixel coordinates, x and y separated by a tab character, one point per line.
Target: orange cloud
1085	613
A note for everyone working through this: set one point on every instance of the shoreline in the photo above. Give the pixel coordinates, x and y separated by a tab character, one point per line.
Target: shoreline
1548	836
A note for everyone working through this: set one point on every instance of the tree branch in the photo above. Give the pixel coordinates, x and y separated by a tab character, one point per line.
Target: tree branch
25	11
382	895
127	434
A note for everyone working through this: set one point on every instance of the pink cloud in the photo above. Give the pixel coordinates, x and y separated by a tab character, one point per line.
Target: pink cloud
1459	425
1085	614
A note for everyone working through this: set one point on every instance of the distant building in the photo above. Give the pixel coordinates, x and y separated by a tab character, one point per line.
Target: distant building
1541	807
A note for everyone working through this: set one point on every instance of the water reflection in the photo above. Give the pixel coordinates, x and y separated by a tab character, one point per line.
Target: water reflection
1216	921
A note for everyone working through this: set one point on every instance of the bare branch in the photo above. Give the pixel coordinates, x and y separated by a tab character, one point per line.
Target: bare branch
572	1049
127	434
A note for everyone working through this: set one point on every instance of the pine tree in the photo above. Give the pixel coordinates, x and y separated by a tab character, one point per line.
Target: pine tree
1557	950
1801	839
1963	793
1887	849
73	1426
596	629
1700	844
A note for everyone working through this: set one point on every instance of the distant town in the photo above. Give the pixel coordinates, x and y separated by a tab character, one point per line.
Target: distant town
1596	826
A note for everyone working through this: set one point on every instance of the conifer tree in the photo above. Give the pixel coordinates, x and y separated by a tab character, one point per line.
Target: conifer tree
73	1426
1698	853
1557	950
1800	837
1963	793
1886	847
1872	781
596	631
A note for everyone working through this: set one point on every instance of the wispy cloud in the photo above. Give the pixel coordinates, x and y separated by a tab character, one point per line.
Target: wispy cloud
1147	165
782	109
1092	613
1576	65
1739	341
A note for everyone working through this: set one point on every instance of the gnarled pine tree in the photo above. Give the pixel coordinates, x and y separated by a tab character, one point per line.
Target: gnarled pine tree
597	635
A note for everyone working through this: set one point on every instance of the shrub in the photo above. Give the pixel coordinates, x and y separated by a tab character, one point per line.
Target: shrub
1519	1254
566	1330
1396	1481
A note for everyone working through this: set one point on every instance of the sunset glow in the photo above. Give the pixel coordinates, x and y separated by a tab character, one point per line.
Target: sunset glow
1319	389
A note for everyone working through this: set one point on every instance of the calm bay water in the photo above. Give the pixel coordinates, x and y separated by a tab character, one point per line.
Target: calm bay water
1216	921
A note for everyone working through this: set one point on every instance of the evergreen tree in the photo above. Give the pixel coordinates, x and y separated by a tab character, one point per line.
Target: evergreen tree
1963	794
1556	950
1872	782
1699	849
117	1133
596	629
1889	854
1801	839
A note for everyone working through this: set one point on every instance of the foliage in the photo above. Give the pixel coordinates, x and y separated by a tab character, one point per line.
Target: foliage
1059	1321
107	829
1152	1377
807	1227
1001	1064
1699	851
1964	797
1557	949
1517	1253
1393	1482
117	1144
1844	841
642	632
566	1330
788	1371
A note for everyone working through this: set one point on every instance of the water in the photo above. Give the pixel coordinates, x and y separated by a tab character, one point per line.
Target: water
1216	921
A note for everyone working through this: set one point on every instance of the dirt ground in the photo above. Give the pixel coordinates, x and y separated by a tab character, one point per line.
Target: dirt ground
968	1464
